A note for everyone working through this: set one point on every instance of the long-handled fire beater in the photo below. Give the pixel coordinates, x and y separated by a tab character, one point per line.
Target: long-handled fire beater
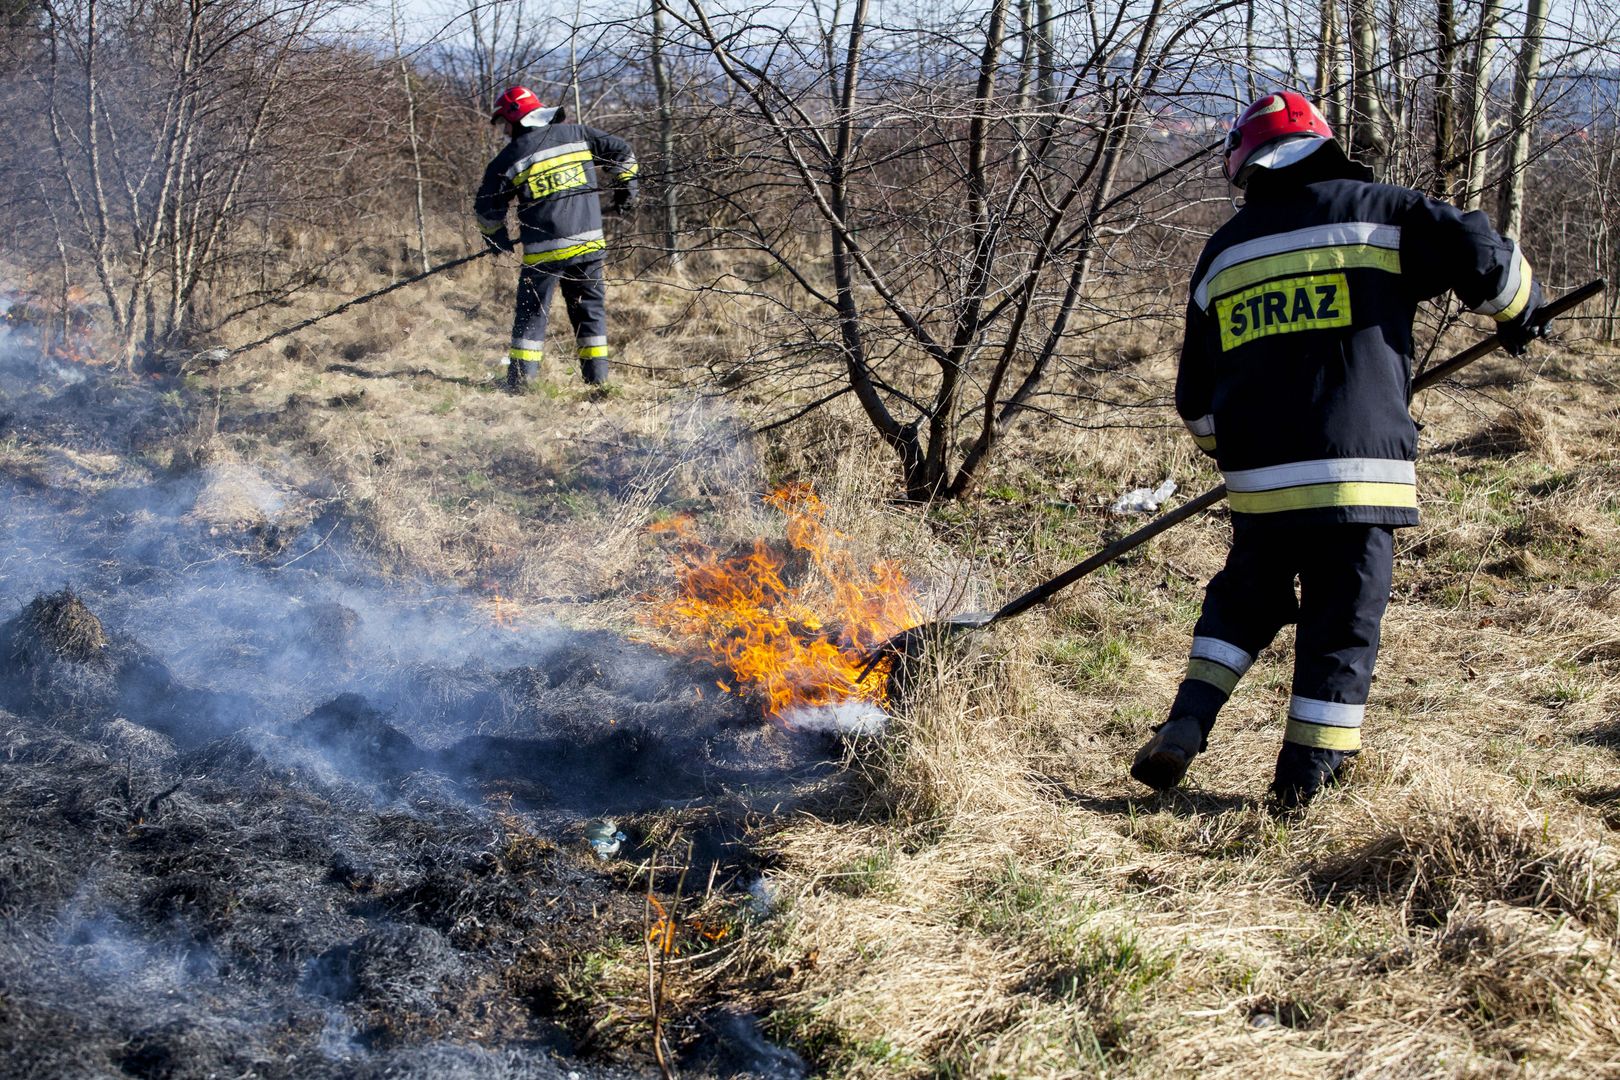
215	357
910	641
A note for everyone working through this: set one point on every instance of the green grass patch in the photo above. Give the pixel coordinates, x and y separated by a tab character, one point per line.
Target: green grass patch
1091	660
870	875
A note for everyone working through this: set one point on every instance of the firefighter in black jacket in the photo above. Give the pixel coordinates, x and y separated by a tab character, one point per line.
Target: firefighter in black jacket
1295	375
552	168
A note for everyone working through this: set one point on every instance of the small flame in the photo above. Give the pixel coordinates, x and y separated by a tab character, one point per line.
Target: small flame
64	323
797	646
506	612
662	933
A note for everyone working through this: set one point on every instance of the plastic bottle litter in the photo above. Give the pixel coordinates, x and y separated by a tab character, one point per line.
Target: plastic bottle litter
604	837
1143	500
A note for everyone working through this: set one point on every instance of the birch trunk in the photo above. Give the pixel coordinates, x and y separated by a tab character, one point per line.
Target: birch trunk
1369	125
1479	90
1511	214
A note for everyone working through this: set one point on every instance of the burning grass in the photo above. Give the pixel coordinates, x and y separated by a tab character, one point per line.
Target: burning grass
793	626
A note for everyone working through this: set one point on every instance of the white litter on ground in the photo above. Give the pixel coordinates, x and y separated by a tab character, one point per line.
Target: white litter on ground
1142	500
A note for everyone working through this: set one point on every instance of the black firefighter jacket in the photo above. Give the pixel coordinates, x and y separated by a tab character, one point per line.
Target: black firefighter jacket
553	172
1296	367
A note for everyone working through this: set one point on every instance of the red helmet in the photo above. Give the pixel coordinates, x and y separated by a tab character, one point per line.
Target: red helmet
514	105
1283	115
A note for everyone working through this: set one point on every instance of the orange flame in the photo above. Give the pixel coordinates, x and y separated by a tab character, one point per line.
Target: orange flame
794	645
66	327
661	934
505	612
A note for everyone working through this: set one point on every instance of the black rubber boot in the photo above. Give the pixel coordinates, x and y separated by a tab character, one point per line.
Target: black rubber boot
1163	759
520	374
595	370
1302	773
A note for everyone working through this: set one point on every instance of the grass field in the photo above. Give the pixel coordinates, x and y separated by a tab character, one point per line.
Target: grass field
989	894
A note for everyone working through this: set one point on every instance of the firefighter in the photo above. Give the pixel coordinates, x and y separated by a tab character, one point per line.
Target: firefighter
1295	376
552	167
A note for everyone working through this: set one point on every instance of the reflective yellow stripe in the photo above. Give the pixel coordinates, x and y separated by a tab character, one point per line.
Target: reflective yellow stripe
591	352
1308	261
1205	442
1322	737
1220	677
1315	496
1520	298
565	253
491	230
629	172
525	354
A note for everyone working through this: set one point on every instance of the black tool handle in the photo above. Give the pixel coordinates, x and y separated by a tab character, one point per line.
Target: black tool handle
1119	547
1484	347
347	304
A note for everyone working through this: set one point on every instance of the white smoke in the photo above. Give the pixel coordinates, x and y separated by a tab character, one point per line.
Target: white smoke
843	718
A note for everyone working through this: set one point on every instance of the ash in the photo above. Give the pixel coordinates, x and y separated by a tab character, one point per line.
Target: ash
265	811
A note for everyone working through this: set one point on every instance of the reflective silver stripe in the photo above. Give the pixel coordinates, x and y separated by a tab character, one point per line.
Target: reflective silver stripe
544	155
1510	290
1223	653
528	343
490	224
589	342
1350	232
1327	713
1204	425
1325	471
562	242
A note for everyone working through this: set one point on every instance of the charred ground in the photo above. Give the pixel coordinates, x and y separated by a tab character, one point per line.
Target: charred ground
268	809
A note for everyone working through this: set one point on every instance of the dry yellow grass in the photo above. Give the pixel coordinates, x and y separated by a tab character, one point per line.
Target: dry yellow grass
994	897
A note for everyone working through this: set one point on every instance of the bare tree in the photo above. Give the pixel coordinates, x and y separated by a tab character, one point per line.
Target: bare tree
669	198
1370	135
408	87
1526	72
154	176
960	245
1445	103
1479	124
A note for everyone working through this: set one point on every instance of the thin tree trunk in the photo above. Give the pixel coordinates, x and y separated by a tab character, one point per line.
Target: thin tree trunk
573	61
1330	66
942	425
1026	78
1445	104
1250	54
666	138
1511	214
1045	62
1479	92
411	132
1369	128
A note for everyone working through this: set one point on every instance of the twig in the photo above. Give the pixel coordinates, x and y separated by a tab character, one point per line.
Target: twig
812	407
657	939
1468	589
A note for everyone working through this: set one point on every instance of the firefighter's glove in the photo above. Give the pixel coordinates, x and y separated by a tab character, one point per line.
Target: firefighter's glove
501	241
623	200
1517	334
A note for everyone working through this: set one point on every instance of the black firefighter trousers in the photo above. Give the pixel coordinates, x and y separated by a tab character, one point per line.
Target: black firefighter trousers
1344	574
585	296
